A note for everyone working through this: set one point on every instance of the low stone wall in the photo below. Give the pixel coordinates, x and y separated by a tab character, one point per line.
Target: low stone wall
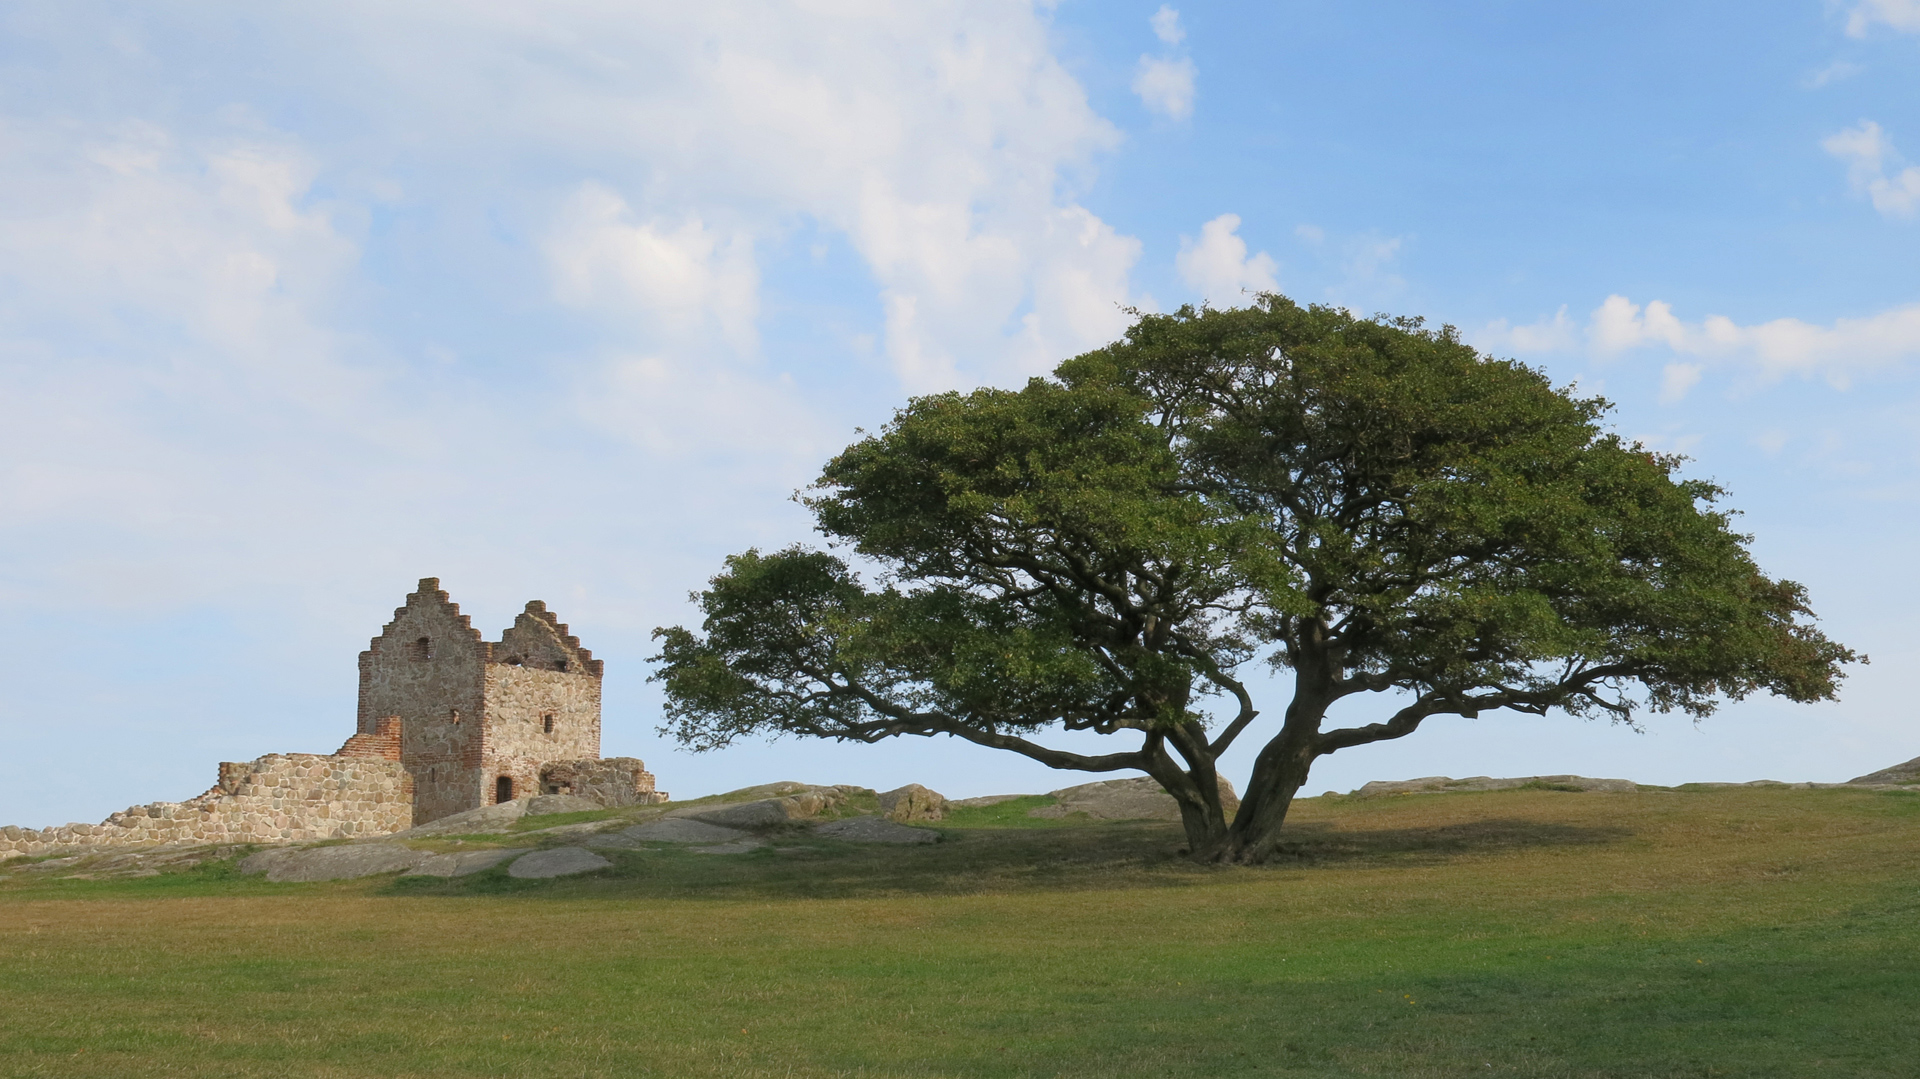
281	797
610	781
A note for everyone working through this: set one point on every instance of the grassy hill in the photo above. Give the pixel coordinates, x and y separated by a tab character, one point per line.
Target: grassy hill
1728	932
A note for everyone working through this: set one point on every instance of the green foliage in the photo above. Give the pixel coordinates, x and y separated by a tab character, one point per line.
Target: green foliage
1462	526
1366	503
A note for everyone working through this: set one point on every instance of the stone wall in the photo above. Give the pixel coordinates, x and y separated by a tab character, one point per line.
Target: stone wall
610	781
543	702
425	668
278	798
476	713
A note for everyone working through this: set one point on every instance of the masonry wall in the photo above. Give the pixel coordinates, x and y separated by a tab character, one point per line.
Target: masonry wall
278	798
611	781
542	694
426	669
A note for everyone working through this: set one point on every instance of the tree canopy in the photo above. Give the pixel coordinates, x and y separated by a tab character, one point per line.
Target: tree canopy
1367	504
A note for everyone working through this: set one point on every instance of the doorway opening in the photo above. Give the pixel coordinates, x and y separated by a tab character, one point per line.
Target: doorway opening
503	789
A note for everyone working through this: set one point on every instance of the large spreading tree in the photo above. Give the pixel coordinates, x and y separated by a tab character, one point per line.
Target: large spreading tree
1369	505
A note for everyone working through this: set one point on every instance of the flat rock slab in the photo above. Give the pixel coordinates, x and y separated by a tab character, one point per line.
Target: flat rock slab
761	814
1140	798
464	863
1897	775
568	831
487	820
544	804
985	800
681	830
52	864
874	830
558	862
738	846
614	841
799	803
349	862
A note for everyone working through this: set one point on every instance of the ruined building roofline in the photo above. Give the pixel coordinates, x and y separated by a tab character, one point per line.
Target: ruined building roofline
430	594
538	621
429	591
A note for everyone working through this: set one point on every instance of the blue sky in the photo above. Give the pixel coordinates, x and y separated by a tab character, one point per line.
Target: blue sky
300	303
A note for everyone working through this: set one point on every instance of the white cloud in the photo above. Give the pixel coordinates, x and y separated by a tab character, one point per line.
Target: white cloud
1899	14
679	411
1835	72
1369	257
1217	264
1780	347
942	140
1551	334
190	340
683	273
1165	85
1676	379
1166	25
1868	154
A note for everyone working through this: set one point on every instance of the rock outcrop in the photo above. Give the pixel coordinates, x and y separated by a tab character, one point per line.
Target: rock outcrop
1442	784
557	862
912	802
1900	775
346	862
794	802
1141	798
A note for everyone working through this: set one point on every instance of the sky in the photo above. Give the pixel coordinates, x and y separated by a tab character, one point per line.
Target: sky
302	302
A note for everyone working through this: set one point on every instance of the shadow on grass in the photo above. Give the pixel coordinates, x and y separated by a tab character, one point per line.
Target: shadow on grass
1319	843
984	861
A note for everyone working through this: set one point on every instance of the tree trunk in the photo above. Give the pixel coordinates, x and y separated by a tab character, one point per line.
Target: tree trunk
1278	774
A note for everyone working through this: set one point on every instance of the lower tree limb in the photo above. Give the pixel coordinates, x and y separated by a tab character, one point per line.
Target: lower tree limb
1195	787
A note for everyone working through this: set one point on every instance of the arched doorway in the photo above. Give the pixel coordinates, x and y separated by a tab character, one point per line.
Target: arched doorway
503	789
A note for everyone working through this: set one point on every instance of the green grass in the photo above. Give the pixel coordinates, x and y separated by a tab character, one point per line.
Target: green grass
1749	932
1011	813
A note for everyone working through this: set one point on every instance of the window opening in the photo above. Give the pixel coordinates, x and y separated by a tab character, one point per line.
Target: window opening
423	648
503	789
548	720
559	664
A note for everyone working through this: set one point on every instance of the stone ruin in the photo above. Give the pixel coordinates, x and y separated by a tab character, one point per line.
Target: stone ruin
448	722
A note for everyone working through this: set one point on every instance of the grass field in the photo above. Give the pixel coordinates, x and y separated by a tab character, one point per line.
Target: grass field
1749	932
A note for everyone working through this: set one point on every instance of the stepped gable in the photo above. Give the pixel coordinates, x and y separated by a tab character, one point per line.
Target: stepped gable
539	639
483	723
